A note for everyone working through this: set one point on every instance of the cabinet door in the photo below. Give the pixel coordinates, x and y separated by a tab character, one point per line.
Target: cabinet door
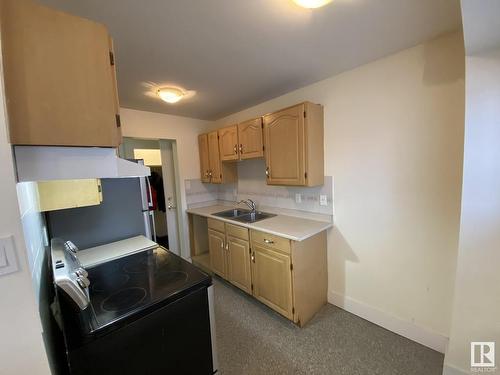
228	143
204	162
239	272
214	158
62	194
285	147
272	279
250	136
59	78
216	248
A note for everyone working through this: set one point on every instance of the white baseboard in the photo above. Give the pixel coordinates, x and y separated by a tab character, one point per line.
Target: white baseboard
400	326
452	370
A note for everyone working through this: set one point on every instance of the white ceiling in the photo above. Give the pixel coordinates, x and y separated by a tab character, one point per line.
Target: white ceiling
237	53
481	25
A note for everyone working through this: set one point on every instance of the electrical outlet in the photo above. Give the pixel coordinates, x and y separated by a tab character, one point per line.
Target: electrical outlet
323	201
298	198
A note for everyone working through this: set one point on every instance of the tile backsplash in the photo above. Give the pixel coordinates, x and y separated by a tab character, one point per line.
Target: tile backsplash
252	184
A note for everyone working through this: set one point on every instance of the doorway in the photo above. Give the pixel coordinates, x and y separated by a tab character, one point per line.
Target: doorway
159	156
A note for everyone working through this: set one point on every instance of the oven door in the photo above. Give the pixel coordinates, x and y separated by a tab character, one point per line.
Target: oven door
173	339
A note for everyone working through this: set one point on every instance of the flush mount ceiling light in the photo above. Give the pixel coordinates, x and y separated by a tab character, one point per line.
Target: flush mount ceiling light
311	4
170	94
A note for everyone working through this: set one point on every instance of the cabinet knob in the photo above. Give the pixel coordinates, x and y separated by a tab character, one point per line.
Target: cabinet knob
235	149
267	172
253	257
241	149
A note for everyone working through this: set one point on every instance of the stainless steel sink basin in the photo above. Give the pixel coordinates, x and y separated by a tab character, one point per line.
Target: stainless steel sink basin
244	216
252	217
230	214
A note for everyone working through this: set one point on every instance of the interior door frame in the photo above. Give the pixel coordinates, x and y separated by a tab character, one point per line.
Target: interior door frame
181	225
178	203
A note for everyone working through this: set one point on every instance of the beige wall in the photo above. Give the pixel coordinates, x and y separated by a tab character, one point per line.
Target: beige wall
184	131
393	142
21	346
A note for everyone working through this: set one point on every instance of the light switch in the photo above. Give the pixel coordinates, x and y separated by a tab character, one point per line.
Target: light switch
8	261
3	259
323	200
298	198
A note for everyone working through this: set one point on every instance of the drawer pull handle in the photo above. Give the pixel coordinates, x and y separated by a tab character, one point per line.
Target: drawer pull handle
268	241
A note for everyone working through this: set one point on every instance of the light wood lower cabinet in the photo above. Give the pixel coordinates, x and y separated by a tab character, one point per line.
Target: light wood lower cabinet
217	249
288	276
272	279
238	265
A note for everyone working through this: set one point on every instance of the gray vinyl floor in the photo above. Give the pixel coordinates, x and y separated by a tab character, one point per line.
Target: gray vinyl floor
252	339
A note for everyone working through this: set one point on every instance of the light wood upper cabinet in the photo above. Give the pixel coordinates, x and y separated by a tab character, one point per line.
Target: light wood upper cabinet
214	158
272	279
59	78
204	158
293	143
250	137
212	169
239	272
216	246
228	143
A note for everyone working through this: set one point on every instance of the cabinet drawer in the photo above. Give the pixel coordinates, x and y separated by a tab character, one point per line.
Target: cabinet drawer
216	225
270	240
237	231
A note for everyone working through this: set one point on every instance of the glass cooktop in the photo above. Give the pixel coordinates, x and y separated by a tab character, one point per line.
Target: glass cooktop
125	286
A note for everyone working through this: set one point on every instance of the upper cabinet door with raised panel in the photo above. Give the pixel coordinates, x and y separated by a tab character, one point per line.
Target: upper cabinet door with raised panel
59	78
214	158
204	161
284	146
228	143
250	136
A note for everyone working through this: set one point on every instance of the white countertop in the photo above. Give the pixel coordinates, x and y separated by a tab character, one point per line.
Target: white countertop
291	227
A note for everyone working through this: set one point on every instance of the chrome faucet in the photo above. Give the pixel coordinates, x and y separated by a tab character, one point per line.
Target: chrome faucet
250	203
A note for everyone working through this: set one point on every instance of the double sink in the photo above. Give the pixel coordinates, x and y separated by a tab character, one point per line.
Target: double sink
244	216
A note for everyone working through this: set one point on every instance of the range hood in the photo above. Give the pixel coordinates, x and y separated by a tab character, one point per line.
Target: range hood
42	163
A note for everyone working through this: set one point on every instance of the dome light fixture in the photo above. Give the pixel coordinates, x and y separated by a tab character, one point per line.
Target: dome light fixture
311	4
170	94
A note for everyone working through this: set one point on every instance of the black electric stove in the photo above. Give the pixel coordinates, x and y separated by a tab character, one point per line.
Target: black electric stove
128	286
148	313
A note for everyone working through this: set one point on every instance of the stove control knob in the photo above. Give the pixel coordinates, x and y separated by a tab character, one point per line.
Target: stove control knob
83	282
81	272
71	247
